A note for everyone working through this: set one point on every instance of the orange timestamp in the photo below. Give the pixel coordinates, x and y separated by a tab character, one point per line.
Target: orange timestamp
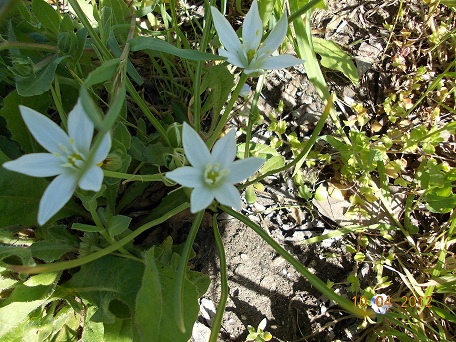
406	301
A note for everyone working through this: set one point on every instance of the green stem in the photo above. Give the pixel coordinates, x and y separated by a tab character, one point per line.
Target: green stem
107	56
227	111
6	45
313	279
180	276
302	10
199	68
131	178
217	321
64	265
253	114
305	150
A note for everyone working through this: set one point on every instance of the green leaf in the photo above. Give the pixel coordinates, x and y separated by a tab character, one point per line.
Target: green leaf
15	124
250	195
36	84
19	197
118	224
217	83
154	44
273	163
86	227
333	57
48	16
49	251
103	73
155	296
111	284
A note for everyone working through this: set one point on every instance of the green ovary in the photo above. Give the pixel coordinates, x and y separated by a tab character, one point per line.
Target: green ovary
251	54
213	174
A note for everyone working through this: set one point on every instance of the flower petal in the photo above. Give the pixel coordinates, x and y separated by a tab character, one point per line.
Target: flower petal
103	149
234	59
278	62
56	195
227	194
275	38
195	149
252	28
45	131
227	35
37	165
188	176
224	150
92	179
243	169
80	128
200	199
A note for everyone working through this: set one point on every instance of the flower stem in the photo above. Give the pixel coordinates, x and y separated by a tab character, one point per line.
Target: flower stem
313	279
131	178
253	114
302	10
227	111
217	322
180	275
199	68
305	150
64	265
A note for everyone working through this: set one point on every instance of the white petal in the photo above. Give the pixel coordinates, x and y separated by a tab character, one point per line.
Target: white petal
80	128
45	131
252	28
243	169
92	179
224	150
278	62
188	176
227	194
103	149
227	35
195	149
56	195
275	38
234	59
200	199
37	165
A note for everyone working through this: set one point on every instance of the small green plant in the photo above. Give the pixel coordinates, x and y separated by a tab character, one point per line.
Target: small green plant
259	335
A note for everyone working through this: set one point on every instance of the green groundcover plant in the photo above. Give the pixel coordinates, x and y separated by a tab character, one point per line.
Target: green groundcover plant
74	107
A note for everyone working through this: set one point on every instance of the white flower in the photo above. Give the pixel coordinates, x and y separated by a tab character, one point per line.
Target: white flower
380	303
212	175
250	54
67	157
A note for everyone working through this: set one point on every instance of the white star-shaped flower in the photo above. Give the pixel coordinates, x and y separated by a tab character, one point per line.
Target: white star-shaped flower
251	55
380	303
67	158
213	175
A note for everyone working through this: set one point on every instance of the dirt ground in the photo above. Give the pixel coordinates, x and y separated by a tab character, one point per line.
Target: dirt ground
261	283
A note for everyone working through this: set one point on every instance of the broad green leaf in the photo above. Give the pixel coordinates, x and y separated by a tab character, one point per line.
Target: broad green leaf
273	163
12	315
259	150
49	251
36	84
103	73
155	296
119	331
118	224
19	197
48	16
119	11
15	124
111	284
154	44
333	57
